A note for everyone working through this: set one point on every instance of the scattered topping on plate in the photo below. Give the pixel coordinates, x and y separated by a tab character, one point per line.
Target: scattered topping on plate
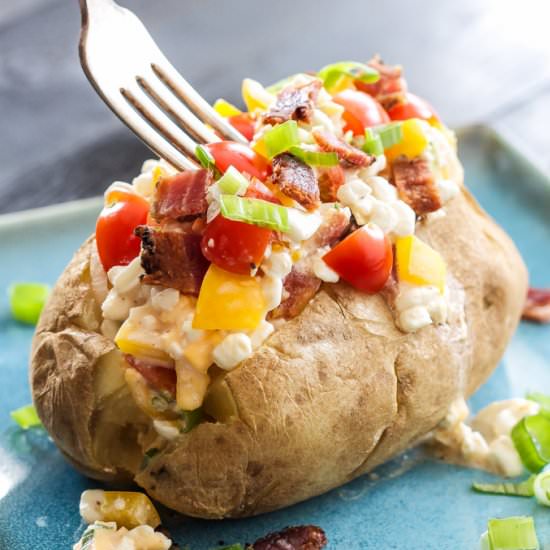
537	305
27	301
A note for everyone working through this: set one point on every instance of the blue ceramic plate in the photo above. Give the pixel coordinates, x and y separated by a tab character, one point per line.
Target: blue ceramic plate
411	503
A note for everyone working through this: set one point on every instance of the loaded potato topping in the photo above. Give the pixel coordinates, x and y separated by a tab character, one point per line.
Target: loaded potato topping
341	168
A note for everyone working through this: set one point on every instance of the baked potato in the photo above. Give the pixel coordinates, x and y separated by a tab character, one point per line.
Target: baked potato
342	384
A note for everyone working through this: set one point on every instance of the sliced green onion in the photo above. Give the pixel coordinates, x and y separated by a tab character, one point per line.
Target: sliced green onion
541	399
231	547
233	182
542	488
27	301
531	437
514	533
281	138
254	211
189	419
205	158
521	489
332	74
373	143
390	134
26	417
314	158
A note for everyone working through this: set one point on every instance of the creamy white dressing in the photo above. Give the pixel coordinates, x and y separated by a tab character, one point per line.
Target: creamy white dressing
419	306
485	442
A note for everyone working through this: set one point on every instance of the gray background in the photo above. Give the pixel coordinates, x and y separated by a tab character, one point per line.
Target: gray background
477	61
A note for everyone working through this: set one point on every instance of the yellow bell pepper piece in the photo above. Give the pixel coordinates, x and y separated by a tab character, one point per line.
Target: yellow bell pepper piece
199	352
259	147
127	508
129	340
419	264
255	96
414	141
228	301
225	109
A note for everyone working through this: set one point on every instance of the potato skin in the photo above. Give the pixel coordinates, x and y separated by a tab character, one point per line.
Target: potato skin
332	394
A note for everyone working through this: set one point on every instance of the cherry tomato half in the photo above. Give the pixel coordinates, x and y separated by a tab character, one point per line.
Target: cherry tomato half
235	246
244	124
242	157
361	111
415	107
114	232
364	259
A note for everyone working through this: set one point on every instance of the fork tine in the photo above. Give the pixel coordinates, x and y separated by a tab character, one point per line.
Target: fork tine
174	107
168	129
182	89
150	136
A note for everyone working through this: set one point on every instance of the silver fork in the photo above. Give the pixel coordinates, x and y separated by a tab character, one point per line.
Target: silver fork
134	78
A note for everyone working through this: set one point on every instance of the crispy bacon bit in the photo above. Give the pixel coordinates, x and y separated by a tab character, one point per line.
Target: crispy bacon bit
537	305
294	102
329	181
296	180
182	197
161	378
303	537
346	152
391	88
335	224
172	258
300	287
415	183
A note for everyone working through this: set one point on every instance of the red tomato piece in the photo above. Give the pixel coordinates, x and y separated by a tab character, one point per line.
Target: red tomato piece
415	107
114	232
244	124
242	157
161	378
361	111
257	190
237	247
364	259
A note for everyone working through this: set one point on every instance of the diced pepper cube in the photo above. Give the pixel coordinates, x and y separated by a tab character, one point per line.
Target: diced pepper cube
414	141
228	301
126	508
255	96
419	264
225	109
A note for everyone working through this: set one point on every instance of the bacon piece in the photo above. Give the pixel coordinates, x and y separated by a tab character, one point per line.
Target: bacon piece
335	224
415	183
296	180
182	197
537	305
161	378
172	257
302	537
390	88
329	181
294	102
346	152
300	287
